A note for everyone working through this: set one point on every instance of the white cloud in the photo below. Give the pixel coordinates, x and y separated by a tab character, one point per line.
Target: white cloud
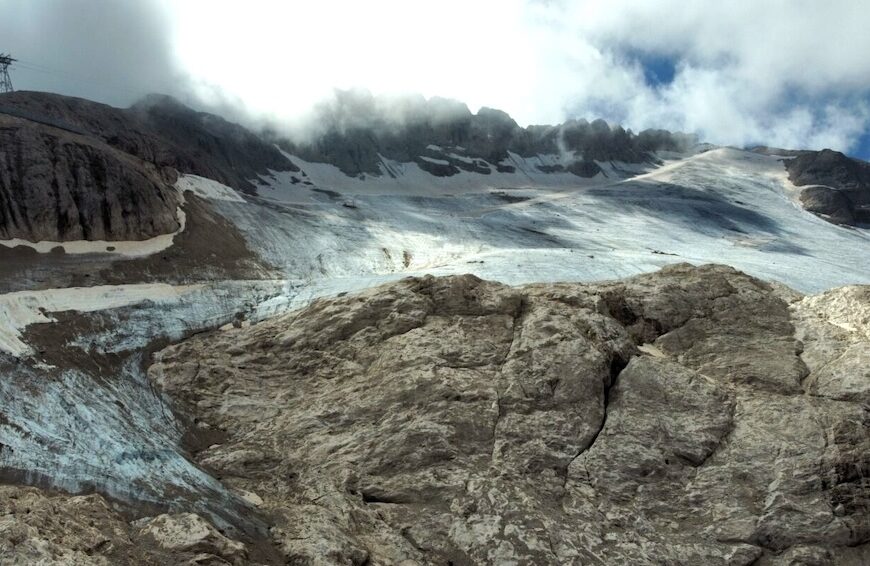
788	73
781	72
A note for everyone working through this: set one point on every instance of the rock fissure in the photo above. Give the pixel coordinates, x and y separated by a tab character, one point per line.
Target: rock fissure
516	329
723	438
451	443
616	367
495	426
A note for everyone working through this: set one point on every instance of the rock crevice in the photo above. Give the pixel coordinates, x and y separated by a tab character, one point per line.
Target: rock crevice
452	419
455	420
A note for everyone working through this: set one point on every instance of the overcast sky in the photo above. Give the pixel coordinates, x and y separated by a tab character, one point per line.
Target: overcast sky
788	73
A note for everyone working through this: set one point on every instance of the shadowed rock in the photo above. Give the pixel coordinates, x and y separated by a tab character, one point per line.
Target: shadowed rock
843	196
444	138
55	186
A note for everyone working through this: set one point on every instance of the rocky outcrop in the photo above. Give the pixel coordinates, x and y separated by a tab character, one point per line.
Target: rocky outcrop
830	204
162	131
840	186
670	418
51	529
205	144
72	169
58	187
834	329
189	533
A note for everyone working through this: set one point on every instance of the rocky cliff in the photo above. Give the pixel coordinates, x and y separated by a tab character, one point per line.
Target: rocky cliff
690	416
838	187
162	131
58	186
72	169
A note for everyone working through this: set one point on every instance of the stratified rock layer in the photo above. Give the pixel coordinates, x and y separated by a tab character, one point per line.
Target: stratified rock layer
671	418
59	187
72	169
161	131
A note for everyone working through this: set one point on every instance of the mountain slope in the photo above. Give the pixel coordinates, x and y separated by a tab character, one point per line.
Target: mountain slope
444	138
277	413
58	186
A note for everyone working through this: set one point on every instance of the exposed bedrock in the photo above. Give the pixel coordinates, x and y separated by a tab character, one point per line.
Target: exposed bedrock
161	131
55	529
444	138
839	188
72	169
668	418
59	187
691	416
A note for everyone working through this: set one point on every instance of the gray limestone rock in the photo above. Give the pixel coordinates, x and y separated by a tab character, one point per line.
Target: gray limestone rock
62	530
660	419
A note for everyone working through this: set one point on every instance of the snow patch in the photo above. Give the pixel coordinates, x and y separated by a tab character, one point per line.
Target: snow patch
126	248
435	161
206	188
408	179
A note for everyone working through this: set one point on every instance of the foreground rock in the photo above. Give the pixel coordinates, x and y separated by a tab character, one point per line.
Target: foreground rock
670	418
39	528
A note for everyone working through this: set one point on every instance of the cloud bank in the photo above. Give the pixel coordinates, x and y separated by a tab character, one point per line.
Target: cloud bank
106	50
788	73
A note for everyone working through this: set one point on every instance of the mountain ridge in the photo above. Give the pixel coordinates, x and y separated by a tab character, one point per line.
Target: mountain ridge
434	361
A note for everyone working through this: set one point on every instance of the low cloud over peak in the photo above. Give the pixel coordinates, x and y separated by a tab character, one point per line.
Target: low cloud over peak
778	73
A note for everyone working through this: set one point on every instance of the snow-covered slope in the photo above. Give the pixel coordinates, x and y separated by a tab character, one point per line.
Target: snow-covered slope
723	205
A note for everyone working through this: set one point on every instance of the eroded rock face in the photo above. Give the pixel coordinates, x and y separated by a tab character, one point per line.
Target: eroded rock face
444	138
835	331
669	418
60	187
164	132
190	533
72	169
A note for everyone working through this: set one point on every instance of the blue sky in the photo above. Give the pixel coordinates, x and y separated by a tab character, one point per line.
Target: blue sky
659	71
